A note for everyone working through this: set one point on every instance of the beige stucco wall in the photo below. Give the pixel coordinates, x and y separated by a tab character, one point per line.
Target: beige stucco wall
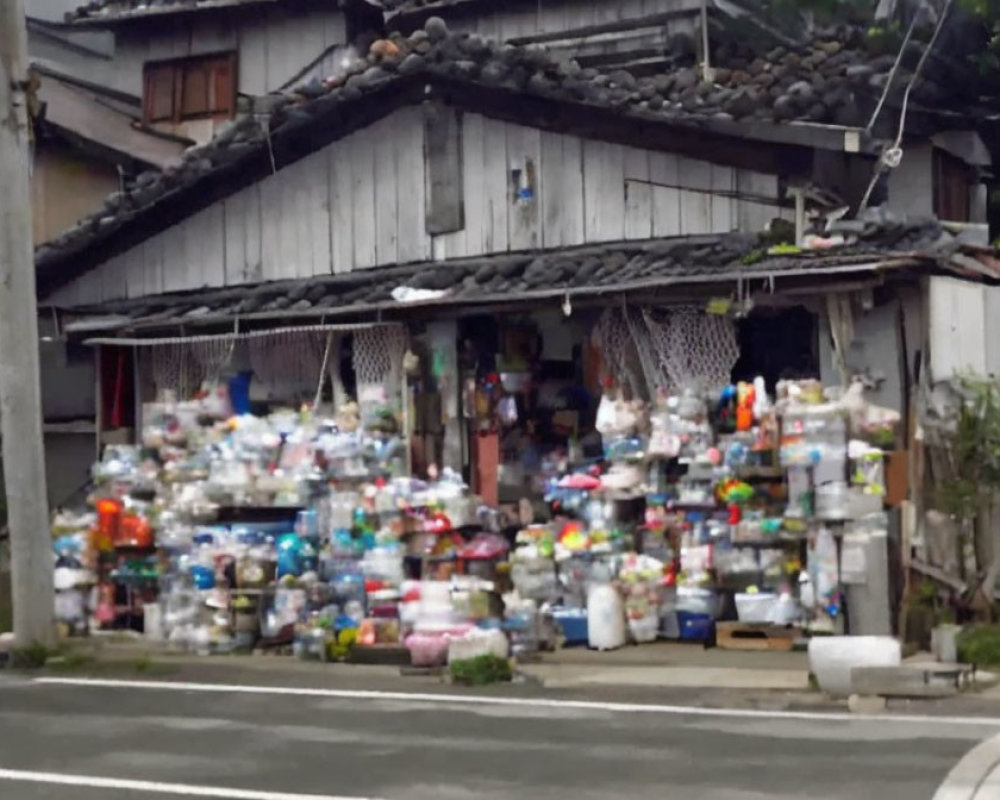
65	188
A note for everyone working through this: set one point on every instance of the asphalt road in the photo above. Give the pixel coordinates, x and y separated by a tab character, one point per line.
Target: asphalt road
222	743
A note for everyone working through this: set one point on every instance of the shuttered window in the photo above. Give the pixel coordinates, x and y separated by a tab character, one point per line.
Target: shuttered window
191	88
952	182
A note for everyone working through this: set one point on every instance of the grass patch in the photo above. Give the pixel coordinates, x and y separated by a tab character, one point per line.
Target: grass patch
481	671
980	645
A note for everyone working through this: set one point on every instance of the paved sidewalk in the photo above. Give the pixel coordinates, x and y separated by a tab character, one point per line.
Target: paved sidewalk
672	665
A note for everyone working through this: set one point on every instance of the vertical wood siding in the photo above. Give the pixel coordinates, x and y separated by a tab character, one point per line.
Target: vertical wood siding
360	202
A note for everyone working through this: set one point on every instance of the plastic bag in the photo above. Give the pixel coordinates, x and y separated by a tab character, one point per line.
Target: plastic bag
605	422
507	410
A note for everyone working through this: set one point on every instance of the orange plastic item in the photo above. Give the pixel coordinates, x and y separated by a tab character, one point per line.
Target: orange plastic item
108	521
746	396
134	531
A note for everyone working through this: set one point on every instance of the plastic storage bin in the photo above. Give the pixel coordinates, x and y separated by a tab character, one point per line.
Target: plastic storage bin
573	623
756	607
695	627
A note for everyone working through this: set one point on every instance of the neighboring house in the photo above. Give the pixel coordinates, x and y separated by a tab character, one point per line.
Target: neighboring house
191	62
88	145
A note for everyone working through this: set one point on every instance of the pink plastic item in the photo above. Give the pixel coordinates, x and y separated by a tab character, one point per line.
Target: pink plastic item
427	649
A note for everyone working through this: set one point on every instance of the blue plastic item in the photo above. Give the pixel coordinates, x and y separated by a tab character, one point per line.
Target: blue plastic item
239	393
573	622
203	577
696	627
289	555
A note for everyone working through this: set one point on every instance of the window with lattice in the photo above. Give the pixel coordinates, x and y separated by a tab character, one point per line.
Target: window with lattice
191	88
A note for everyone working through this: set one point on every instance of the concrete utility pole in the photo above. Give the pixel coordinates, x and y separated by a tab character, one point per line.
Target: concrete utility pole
20	394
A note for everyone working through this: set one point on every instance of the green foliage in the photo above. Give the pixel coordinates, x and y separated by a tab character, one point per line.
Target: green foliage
33	656
980	646
481	670
975	451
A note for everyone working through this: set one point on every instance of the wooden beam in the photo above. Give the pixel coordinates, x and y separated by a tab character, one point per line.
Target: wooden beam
443	149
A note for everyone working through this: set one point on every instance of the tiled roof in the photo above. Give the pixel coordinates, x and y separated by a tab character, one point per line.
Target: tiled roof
642	267
98	11
830	83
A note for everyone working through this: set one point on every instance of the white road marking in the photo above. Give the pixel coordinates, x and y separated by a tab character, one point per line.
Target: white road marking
967	778
522	702
155	787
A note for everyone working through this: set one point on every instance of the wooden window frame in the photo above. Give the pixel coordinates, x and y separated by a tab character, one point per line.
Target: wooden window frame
178	70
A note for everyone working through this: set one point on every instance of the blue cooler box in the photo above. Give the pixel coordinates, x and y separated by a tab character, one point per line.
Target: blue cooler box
696	627
573	622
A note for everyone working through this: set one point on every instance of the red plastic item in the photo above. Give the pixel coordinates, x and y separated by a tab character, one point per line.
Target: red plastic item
579	481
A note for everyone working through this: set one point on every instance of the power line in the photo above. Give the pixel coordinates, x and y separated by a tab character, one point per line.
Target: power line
892	156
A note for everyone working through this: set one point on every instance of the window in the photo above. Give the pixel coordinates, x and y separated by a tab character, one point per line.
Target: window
191	88
952	182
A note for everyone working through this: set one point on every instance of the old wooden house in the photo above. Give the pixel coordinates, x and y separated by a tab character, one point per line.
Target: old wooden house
446	181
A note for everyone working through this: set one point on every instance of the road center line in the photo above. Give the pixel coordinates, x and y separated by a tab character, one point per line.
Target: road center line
517	702
155	787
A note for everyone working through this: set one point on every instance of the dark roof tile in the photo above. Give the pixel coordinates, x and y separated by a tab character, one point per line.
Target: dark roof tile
620	267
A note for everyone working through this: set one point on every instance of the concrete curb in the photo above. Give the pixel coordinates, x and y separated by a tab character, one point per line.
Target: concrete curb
976	776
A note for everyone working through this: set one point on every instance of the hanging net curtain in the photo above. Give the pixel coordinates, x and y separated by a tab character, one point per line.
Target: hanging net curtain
378	364
292	361
289	359
182	367
675	347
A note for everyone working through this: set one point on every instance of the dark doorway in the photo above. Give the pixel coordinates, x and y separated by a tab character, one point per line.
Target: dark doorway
777	344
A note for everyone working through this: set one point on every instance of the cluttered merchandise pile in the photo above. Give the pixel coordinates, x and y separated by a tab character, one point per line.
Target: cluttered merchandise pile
710	517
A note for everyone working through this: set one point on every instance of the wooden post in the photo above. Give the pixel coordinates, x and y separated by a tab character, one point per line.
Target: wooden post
20	392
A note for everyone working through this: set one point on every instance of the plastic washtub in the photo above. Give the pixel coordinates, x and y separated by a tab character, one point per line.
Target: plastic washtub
831	659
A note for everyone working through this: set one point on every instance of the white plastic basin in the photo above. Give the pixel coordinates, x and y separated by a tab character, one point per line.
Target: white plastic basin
831	659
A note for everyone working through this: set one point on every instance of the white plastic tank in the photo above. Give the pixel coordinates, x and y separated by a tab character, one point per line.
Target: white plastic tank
605	617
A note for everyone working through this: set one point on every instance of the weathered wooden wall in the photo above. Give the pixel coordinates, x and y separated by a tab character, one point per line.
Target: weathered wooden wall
964	328
361	202
273	45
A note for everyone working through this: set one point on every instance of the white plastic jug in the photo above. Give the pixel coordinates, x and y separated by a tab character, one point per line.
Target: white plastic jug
605	617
